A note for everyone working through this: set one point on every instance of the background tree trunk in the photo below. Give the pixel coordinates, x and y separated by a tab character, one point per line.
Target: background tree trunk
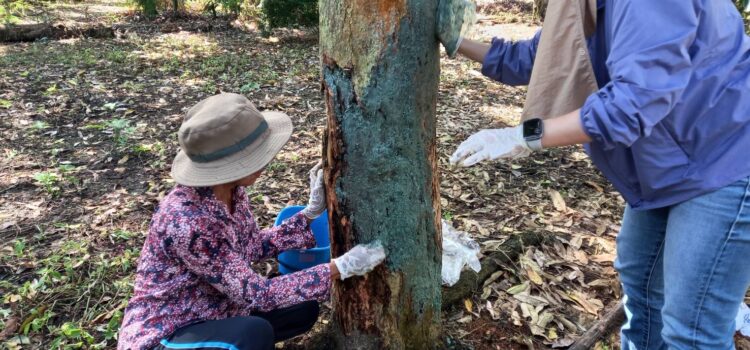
540	9
380	75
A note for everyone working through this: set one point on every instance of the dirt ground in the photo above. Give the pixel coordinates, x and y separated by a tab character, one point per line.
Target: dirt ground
88	133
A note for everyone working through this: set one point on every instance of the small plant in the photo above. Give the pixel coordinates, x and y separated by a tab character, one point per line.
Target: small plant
209	88
5	103
40	317
276	166
157	149
116	56
110	106
132	86
121	132
18	247
68	173
72	332
48	181
120	234
447	215
39	125
50	90
249	87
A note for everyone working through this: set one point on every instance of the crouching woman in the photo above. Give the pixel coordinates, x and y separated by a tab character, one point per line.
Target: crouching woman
194	288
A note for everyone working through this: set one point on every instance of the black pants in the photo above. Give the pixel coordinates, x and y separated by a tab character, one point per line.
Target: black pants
259	331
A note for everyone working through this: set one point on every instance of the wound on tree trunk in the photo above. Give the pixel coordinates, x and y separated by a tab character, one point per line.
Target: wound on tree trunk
380	77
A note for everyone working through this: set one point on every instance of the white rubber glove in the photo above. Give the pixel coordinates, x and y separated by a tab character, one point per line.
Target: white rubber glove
360	260
317	203
507	143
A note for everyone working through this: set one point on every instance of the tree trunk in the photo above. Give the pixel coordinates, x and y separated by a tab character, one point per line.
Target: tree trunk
380	77
540	9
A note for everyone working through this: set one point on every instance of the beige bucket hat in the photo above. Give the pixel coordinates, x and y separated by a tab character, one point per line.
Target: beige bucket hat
224	138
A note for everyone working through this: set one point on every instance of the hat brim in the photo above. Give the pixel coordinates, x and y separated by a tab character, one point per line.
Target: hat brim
239	165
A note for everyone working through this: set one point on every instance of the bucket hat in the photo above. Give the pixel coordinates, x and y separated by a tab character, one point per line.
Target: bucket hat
224	138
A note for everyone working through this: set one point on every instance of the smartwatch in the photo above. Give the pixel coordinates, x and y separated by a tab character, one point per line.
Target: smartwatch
533	129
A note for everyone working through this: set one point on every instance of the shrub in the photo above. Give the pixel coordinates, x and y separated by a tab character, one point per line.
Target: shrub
289	13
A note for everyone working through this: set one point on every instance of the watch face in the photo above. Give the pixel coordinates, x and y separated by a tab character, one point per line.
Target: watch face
532	129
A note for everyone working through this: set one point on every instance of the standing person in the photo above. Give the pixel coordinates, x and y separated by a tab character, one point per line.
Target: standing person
670	128
194	288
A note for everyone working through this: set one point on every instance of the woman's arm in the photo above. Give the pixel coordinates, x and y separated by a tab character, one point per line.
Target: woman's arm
202	248
564	131
506	61
650	64
293	233
474	50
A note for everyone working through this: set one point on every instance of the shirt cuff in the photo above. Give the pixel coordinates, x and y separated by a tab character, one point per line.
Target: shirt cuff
491	59
589	119
308	236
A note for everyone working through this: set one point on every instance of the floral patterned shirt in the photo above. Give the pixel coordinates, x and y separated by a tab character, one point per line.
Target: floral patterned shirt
195	266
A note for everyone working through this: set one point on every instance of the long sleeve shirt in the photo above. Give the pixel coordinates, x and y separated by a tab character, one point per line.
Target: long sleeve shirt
195	266
671	120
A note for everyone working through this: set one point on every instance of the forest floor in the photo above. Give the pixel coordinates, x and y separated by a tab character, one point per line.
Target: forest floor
87	136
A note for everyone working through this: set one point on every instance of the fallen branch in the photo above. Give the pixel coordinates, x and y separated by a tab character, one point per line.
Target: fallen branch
32	32
604	327
471	281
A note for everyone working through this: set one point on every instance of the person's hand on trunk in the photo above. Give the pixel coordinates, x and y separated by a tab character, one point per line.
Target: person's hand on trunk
317	203
360	260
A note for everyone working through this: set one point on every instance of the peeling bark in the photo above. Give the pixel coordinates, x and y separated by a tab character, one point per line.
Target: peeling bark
380	73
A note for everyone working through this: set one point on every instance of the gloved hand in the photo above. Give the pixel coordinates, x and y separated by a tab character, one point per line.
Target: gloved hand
317	203
360	260
455	19
507	143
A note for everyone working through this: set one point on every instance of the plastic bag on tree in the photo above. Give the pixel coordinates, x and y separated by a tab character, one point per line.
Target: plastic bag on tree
742	322
459	250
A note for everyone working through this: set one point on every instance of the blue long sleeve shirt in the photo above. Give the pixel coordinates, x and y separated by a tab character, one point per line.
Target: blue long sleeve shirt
671	120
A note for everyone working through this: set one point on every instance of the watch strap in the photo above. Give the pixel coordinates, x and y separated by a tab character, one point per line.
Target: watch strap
535	145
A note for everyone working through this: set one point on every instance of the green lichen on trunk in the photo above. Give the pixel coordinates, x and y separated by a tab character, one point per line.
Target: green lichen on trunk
380	77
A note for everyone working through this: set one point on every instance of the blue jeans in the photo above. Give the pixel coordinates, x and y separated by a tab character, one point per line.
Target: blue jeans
685	270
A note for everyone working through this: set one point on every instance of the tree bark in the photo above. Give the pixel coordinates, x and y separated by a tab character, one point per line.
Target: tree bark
32	32
380	71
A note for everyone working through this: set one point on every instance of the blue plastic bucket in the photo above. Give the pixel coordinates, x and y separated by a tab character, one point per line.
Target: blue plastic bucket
299	259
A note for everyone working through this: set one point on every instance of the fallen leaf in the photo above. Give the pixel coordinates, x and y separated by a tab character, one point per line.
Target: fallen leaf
11	326
519	288
7	224
591	306
595	186
551	333
532	270
558	201
581	257
469	305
